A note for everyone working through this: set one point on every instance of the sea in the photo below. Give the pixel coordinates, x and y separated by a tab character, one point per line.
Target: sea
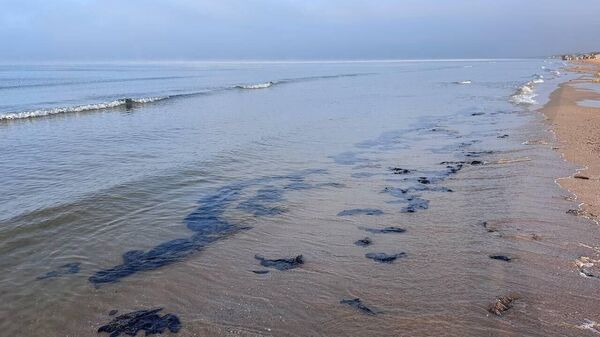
323	198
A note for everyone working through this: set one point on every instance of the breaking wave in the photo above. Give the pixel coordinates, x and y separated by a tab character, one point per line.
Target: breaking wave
296	80
131	102
81	108
525	95
256	86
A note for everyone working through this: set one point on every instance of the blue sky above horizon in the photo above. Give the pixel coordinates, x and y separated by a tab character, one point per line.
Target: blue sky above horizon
97	30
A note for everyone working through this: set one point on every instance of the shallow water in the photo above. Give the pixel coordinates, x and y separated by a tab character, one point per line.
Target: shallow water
589	103
199	184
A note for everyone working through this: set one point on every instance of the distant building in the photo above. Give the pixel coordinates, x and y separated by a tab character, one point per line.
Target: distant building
586	56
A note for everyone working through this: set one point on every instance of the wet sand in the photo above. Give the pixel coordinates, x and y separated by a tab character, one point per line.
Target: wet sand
576	126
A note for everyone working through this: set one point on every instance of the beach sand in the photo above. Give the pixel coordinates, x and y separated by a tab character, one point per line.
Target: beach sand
577	129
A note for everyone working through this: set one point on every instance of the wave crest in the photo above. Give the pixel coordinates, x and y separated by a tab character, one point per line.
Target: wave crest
126	102
130	102
525	95
256	86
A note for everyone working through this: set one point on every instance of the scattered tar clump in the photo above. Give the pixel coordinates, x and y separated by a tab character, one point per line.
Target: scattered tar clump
148	321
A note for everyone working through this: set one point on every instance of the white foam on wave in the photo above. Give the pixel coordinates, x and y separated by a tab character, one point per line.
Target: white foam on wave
525	95
149	99
79	108
256	86
464	82
552	71
589	325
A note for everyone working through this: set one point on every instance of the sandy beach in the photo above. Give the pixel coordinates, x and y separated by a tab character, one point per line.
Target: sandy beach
576	127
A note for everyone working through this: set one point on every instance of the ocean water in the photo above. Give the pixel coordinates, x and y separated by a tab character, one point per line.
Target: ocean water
138	186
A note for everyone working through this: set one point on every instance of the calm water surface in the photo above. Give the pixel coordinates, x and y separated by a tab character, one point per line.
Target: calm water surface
165	199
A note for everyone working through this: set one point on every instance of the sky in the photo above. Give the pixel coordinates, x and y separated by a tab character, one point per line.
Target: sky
103	30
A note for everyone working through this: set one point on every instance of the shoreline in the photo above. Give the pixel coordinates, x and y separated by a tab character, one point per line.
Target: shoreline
576	129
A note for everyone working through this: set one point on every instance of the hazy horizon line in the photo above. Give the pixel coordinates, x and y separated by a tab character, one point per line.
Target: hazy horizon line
151	61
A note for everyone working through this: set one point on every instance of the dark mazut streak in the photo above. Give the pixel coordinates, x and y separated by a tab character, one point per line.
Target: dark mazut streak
129	102
206	222
422	181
